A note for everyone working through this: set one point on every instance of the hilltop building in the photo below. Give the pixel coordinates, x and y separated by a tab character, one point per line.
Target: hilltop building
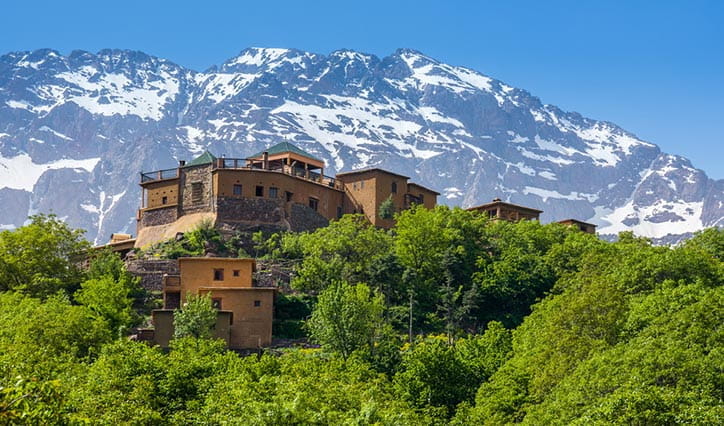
245	311
586	227
501	210
281	188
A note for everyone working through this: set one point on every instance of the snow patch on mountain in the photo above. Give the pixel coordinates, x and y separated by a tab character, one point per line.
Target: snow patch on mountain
20	172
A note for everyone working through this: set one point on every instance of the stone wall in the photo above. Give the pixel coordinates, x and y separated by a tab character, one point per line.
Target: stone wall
159	216
189	176
151	271
253	210
303	218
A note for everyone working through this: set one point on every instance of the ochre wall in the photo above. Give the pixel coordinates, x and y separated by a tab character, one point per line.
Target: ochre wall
198	272
377	188
361	194
329	198
157	190
251	326
429	198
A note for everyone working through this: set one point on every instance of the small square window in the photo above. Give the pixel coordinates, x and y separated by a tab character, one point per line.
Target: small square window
273	192
236	272
216	303
289	196
218	275
259	191
237	189
257	303
164	200
313	203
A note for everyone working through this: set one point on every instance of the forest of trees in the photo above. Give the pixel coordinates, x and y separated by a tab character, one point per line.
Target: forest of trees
448	318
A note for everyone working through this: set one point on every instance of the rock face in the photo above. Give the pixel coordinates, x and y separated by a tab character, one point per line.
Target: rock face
76	130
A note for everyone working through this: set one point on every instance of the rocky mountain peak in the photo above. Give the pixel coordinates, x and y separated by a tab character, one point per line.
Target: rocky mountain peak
76	130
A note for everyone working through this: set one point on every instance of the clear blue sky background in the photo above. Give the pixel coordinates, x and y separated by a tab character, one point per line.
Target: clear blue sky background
655	68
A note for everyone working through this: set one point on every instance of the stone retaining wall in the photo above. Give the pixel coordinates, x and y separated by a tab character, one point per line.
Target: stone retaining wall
151	271
159	216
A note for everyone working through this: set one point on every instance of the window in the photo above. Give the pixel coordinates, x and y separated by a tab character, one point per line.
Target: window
216	303
273	192
218	275
173	300
362	185
289	196
313	203
394	187
354	186
259	191
257	303
492	213
236	272
237	189
197	192
422	198
164	200
339	212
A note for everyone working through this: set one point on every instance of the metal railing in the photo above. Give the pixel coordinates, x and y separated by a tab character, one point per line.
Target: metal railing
241	164
158	175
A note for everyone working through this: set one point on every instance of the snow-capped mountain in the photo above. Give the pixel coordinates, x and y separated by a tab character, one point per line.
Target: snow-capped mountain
76	130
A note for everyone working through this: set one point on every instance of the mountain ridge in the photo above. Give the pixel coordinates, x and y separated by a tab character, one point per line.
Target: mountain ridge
81	126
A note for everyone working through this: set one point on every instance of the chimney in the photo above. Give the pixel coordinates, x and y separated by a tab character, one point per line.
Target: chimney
181	163
265	160
496	199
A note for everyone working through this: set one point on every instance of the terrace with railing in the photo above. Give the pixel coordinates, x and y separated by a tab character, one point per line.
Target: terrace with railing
159	175
243	164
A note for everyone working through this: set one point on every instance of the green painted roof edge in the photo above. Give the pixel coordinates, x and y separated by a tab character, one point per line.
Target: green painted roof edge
205	158
286	147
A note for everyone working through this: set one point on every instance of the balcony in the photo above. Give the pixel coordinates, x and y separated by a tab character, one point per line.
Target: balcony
159	175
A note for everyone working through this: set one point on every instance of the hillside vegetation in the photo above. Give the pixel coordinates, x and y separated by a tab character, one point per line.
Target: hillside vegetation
448	318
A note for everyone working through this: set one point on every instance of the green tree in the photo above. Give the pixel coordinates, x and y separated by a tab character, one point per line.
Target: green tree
387	209
345	250
346	318
109	292
42	258
196	318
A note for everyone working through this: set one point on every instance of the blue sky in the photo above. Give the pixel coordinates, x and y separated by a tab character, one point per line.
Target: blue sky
655	68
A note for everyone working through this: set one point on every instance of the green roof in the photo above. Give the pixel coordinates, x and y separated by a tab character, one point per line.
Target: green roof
286	147
205	158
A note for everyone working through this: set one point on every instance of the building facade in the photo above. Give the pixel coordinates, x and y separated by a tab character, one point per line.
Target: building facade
500	210
282	188
245	311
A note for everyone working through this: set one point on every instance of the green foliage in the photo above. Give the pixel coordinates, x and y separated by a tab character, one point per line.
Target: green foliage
597	332
387	209
345	250
40	259
435	373
290	311
31	402
109	292
302	388
196	318
197	242
346	318
40	339
631	335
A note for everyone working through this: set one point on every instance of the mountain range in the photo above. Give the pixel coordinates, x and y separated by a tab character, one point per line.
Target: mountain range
76	130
